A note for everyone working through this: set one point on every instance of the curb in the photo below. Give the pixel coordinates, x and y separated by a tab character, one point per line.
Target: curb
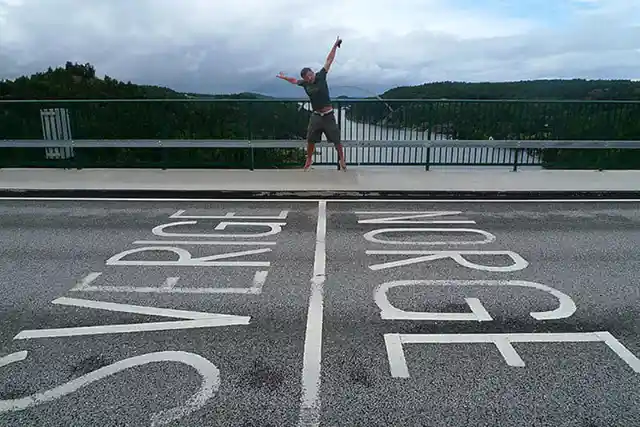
418	195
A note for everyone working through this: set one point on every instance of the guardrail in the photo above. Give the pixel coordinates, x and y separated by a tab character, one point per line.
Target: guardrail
264	133
521	149
276	143
359	119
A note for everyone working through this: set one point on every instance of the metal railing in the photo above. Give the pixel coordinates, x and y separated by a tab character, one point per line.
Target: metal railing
521	149
257	133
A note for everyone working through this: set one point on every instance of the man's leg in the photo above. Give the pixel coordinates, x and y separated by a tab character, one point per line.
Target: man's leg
314	133
311	148
332	131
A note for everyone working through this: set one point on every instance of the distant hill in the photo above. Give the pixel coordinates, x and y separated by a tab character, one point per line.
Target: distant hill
451	106
242	95
533	89
147	120
79	81
510	118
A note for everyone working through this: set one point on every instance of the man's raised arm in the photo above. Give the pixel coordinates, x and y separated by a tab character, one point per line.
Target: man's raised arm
332	54
291	80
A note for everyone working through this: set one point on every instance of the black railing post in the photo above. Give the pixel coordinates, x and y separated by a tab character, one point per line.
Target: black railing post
339	129
602	158
515	160
599	161
77	156
428	163
165	157
250	136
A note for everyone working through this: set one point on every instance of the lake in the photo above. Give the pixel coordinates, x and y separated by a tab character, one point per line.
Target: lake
351	130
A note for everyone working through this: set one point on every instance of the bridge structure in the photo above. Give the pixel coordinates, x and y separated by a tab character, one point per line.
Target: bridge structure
388	142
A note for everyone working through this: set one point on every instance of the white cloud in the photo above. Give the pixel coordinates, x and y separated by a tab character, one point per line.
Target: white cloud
220	46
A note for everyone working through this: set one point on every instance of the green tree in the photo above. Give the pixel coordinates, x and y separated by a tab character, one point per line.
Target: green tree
176	116
552	111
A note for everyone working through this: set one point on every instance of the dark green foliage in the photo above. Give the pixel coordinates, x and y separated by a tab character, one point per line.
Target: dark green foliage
576	89
109	109
532	110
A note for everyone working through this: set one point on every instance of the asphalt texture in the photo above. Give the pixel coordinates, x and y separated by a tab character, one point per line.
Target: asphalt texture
588	251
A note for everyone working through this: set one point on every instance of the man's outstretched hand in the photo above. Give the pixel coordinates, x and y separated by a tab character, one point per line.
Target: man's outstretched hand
338	42
287	79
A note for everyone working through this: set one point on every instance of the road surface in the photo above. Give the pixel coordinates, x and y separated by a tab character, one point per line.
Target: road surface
319	317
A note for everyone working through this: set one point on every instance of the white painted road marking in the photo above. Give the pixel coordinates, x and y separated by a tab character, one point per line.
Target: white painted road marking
123	329
276	227
207	370
405	216
518	264
566	305
398	363
138	309
185	258
180	214
488	237
12	358
310	403
170	283
199	320
200	242
86	281
85	285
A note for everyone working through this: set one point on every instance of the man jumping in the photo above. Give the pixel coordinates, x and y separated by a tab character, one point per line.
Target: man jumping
322	118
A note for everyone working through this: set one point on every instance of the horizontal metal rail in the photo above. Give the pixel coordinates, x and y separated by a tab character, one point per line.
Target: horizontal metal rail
124	143
217	143
345	101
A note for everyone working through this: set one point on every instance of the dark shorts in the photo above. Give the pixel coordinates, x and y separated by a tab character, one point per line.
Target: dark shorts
323	124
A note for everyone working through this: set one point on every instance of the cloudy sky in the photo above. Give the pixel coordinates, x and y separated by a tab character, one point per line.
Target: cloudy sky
221	46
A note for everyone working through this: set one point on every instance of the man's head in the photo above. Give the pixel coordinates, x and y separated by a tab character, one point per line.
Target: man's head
307	74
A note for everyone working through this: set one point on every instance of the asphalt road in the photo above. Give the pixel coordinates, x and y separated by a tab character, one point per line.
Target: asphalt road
249	370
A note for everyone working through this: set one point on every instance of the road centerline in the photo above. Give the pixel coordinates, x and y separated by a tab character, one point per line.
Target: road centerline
310	404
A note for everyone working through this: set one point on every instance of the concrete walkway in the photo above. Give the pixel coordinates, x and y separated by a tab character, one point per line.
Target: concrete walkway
383	179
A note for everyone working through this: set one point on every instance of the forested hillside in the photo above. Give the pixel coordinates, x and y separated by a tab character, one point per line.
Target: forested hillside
105	108
178	115
543	109
534	89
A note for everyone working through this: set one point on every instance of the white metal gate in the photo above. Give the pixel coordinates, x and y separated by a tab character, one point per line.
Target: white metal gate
56	126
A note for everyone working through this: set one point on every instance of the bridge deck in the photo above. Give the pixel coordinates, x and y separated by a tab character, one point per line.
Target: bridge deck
356	179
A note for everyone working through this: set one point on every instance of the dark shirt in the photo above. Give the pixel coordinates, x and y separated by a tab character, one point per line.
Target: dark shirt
318	91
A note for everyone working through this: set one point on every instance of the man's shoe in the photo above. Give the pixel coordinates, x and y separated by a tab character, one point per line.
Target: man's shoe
308	164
